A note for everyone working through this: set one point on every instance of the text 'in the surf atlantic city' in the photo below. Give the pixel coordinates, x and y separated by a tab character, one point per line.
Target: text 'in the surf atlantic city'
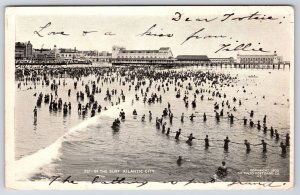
202	33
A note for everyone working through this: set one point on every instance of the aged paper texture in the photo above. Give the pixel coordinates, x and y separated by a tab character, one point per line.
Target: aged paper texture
149	97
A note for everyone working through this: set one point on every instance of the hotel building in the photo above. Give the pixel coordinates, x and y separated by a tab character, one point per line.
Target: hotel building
23	51
121	55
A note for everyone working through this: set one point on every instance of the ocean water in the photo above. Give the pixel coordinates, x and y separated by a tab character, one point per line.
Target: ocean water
84	147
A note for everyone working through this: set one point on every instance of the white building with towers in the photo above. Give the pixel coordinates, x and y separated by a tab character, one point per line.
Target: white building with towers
259	59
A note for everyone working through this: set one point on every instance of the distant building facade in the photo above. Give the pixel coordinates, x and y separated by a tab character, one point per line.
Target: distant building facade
68	55
43	55
121	55
192	60
259	59
222	61
103	56
23	51
26	54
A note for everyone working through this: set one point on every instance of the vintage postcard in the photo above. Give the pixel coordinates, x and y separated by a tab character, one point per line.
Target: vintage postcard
149	97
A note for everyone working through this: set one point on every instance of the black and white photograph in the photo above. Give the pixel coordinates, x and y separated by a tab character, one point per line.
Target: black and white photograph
149	97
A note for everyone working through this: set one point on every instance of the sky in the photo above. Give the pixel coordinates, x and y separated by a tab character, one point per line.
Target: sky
129	27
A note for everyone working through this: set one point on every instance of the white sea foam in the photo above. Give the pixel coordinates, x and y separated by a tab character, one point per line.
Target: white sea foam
29	165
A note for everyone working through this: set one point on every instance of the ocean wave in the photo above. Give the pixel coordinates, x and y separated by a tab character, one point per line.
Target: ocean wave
28	166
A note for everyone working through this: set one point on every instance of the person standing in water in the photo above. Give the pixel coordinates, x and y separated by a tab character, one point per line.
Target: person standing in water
283	148
265	119
182	117
206	142
190	139
192	117
168	131
179	160
134	112
247	144
150	116
226	142
245	121
222	170
264	144
287	139
35	112
177	134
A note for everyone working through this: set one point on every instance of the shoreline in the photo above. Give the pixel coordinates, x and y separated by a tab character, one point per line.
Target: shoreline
42	67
